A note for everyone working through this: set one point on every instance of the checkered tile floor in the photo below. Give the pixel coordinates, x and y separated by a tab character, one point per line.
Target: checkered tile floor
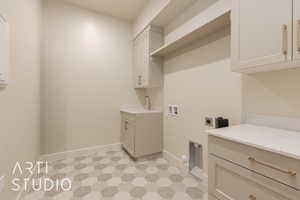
112	175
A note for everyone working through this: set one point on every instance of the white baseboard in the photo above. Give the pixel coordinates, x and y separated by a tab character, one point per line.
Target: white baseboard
174	160
29	177
78	152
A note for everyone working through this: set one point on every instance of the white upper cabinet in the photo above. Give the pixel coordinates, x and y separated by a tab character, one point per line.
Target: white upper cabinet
296	21
262	35
147	70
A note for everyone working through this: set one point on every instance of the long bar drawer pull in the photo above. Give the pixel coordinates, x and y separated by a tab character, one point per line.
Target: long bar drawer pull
252	197
284	39
288	172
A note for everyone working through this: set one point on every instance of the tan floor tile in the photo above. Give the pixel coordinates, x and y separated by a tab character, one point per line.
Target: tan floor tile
113	175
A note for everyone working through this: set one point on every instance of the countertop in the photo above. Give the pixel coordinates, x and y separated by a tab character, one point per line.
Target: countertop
279	141
135	109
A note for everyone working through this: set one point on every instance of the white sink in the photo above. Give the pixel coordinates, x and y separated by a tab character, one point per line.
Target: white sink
136	109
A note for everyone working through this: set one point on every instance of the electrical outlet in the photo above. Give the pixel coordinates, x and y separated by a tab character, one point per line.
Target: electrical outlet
209	121
175	110
170	110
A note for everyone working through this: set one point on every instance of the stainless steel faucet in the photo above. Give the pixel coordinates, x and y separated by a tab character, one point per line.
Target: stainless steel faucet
147	103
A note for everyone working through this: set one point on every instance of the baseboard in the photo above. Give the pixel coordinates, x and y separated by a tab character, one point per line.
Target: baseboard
78	152
174	160
29	177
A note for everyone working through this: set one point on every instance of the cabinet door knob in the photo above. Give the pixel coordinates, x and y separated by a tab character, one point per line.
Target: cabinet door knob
140	80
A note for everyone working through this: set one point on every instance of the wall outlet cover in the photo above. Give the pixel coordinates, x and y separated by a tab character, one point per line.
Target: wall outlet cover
209	121
175	110
170	110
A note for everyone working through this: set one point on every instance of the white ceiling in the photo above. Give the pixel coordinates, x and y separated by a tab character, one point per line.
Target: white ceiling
124	9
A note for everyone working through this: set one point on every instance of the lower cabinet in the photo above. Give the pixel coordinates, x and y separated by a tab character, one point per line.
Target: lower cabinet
228	181
127	136
241	172
141	133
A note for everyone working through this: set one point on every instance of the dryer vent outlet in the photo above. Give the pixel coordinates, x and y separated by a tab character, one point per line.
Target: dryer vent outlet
196	159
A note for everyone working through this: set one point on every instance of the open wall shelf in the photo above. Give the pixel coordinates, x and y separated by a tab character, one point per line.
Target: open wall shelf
172	9
214	20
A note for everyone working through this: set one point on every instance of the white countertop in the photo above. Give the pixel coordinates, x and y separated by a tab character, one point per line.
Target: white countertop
279	141
135	109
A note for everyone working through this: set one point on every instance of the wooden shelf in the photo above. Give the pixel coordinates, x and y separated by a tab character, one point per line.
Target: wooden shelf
212	22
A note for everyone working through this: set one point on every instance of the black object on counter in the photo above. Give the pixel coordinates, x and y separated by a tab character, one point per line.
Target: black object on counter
221	122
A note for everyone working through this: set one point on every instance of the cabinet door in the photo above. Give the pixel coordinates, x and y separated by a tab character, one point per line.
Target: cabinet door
136	61
131	141
228	181
147	71
123	133
140	59
261	33
297	30
144	56
127	136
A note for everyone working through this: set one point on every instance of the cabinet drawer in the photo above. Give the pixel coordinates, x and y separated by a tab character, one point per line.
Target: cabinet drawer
275	166
228	181
128	117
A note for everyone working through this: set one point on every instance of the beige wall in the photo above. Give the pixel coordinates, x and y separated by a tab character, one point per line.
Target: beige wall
86	76
19	102
199	80
272	93
201	83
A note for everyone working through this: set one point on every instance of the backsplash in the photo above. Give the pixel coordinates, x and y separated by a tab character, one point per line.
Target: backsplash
272	93
287	123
